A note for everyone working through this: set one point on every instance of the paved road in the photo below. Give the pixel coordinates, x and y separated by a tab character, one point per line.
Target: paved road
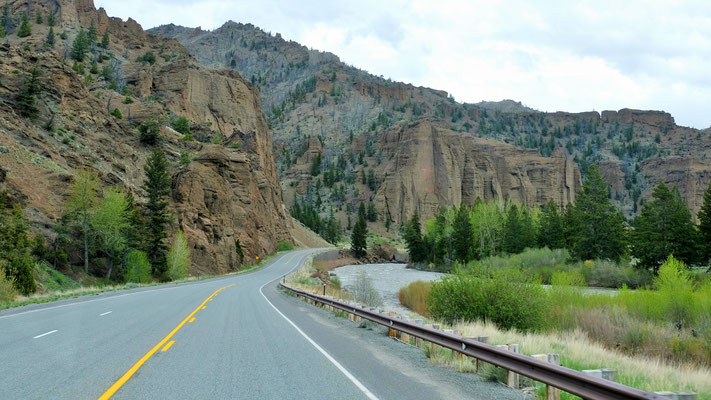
225	338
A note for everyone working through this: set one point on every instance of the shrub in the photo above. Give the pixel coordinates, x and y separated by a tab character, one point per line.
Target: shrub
148	57
506	297
178	257
117	113
181	124
7	289
676	292
150	131
414	296
185	158
138	269
128	100
364	292
284	245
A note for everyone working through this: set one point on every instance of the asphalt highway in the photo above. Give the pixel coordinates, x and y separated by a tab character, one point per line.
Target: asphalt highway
237	337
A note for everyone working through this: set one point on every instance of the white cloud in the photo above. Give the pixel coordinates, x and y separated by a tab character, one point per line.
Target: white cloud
572	56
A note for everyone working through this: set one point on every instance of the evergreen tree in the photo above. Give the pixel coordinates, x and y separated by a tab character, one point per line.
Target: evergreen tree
26	97
15	247
551	231
349	226
25	28
462	234
413	238
51	18
704	237
2	31
157	185
80	205
316	165
136	231
92	33
363	179
50	37
80	46
105	40
599	228
513	229
333	229
150	131
371	179
664	228
372	214
360	234
7	22
38	18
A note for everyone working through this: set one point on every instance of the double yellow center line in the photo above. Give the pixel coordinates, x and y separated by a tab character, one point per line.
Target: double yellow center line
116	386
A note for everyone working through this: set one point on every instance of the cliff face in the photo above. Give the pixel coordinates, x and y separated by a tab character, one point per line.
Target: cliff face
426	166
228	192
308	94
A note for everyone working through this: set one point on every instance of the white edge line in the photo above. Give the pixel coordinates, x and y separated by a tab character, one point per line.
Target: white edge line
44	334
177	286
340	367
108	312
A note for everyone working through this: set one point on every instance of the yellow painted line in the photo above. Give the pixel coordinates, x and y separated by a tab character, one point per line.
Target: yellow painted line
211	299
117	385
292	257
192	319
203	307
167	346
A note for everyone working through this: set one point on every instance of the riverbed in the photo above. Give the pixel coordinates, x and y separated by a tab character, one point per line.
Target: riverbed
387	280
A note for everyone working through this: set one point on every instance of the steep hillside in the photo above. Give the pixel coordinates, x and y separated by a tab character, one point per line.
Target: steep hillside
309	94
224	193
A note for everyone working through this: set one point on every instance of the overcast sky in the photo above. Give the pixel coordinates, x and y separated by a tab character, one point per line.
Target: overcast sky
561	55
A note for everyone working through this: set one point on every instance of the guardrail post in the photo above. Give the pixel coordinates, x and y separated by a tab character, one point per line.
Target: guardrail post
512	378
552	393
604	373
480	364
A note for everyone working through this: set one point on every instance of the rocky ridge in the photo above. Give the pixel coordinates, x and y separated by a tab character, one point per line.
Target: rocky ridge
228	192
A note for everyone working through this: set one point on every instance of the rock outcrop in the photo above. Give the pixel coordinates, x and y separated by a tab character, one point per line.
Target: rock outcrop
425	166
227	193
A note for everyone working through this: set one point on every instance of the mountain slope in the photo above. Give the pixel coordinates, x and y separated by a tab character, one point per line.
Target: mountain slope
309	94
227	194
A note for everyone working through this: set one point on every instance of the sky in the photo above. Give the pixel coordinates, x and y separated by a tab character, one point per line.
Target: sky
550	55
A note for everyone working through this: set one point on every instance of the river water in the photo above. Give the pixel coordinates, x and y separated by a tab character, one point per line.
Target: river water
387	280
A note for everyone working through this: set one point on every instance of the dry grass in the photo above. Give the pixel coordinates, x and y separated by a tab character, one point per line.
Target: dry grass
414	296
577	351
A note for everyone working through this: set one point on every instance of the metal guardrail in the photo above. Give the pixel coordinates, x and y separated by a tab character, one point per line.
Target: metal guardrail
566	379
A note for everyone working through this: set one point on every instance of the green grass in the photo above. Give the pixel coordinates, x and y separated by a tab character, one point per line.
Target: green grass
61	287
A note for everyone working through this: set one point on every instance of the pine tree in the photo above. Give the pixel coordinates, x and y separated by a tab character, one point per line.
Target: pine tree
372	214
462	234
80	46
136	232
704	237
333	229
664	228
15	247
105	40
597	228
51	18
92	33
157	185
6	22
38	18
413	239
371	179
50	37
2	31
26	97
25	28
551	232
360	234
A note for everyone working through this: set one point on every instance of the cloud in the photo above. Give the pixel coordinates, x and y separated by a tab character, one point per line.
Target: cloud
572	56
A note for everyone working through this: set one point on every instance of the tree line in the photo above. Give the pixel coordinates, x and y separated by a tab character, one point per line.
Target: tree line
591	228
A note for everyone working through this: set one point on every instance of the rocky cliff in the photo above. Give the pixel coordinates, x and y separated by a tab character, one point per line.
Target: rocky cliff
426	165
309	94
227	192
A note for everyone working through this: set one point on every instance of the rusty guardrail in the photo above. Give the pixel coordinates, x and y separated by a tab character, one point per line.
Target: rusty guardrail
566	379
